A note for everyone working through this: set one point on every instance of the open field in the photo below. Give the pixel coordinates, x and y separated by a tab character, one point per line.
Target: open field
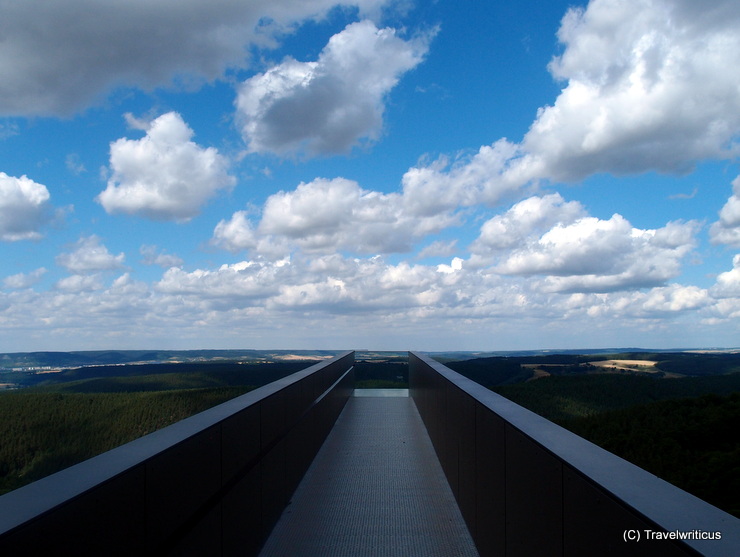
645	366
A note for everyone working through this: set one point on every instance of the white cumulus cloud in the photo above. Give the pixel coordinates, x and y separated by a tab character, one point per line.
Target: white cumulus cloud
164	175
58	57
675	298
235	234
239	284
535	214
151	256
80	283
728	283
649	87
546	236
24	280
326	216
328	105
727	229
409	303
89	256
323	216
24	208
485	178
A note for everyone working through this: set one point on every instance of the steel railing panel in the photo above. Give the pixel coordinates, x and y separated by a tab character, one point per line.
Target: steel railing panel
217	480
549	476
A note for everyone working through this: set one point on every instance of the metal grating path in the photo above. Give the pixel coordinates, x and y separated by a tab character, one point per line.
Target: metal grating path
375	488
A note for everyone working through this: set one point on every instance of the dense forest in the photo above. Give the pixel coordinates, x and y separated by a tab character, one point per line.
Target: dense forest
676	415
75	414
560	398
66	417
44	432
692	443
680	422
686	431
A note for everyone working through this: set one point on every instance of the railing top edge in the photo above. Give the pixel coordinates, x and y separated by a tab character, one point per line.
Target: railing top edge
26	502
275	386
665	504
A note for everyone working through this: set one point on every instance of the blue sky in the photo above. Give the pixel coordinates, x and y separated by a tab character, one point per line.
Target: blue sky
375	173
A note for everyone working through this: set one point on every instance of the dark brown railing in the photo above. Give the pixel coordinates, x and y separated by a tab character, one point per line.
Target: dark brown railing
216	483
527	487
213	484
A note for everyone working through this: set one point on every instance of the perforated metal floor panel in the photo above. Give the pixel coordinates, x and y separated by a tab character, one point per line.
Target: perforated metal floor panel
375	488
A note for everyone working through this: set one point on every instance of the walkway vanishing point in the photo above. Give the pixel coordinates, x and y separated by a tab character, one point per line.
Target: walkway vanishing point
304	466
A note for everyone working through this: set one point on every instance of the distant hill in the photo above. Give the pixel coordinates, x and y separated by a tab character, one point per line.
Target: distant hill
159	376
114	357
567	397
24	369
506	370
453	356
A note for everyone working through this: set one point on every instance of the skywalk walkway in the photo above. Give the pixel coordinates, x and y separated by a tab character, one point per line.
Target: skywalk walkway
305	466
376	488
